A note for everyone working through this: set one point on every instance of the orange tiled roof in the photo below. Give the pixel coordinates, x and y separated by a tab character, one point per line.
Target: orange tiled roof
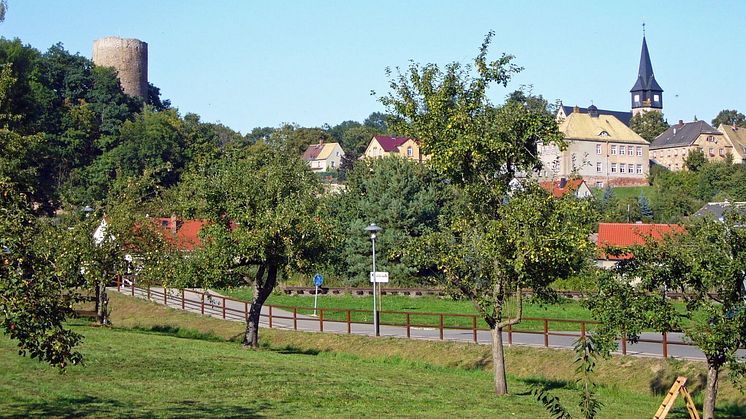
184	234
629	234
553	186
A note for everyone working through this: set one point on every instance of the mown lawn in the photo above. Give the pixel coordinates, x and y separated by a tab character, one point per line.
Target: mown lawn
335	308
159	362
627	192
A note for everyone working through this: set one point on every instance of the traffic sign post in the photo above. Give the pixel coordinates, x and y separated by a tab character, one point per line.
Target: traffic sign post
318	280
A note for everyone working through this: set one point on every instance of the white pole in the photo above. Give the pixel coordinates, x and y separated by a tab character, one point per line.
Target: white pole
315	298
375	307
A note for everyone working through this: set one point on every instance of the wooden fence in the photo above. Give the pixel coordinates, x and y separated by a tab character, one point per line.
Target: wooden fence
216	306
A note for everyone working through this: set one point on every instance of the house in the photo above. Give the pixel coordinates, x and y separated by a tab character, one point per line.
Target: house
182	234
600	149
381	146
563	111
324	157
618	235
716	210
671	147
562	187
736	136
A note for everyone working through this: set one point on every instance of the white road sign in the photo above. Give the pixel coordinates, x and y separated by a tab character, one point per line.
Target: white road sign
379	277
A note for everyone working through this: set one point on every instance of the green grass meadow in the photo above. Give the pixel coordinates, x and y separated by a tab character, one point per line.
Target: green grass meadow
159	362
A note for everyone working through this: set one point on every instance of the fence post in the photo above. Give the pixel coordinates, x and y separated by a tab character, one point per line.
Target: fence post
202	303
295	318
441	327
165	298
665	345
182	298
474	327
223	308
408	326
349	326
119	282
510	334
582	329
246	310
546	333
148	292
321	320
132	286
270	316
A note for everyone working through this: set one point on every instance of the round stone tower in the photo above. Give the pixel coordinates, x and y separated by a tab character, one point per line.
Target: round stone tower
129	57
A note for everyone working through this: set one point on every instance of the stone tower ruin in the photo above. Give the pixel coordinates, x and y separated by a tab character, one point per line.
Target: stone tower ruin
129	57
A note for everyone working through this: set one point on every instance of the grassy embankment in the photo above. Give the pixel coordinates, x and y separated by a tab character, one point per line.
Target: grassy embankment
162	362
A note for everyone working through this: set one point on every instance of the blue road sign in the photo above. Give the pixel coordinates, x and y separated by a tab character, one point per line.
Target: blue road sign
318	280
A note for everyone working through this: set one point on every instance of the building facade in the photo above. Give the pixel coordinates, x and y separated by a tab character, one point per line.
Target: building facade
736	136
381	146
600	149
324	157
671	147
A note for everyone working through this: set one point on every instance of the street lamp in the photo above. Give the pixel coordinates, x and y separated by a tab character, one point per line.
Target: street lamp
373	229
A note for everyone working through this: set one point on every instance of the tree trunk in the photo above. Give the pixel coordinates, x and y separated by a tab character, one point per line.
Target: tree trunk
713	371
498	360
102	304
262	290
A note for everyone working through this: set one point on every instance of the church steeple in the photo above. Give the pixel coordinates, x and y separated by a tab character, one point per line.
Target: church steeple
647	94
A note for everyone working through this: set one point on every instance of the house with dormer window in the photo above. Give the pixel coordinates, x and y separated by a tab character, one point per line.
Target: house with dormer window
601	149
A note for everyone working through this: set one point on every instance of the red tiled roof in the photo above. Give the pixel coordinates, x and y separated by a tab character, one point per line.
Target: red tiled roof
626	234
390	144
184	235
554	188
313	151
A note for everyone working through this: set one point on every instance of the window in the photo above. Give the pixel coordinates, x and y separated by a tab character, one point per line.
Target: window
613	167
621	167
656	98
722	152
410	152
621	150
639	151
613	149
599	149
332	165
675	152
683	152
603	134
637	98
712	151
599	167
599	185
639	169
653	153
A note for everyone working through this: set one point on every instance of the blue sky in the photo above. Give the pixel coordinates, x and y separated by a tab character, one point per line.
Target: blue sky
262	63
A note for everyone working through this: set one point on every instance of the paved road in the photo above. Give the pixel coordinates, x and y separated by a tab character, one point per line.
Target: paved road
216	305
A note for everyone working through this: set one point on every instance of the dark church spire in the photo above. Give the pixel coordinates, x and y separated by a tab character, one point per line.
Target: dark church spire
647	94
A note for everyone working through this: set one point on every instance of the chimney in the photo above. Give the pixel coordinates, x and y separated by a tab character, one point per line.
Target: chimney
681	122
593	111
576	109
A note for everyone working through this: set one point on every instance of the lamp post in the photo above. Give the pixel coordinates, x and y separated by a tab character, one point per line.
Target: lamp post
373	229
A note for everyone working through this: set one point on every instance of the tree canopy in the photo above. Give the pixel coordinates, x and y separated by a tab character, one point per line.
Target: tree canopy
729	117
648	124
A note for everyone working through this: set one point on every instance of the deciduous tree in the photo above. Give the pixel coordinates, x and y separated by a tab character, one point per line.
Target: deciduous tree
707	264
648	124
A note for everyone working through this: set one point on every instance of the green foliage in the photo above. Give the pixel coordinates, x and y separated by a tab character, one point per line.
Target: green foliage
265	217
645	211
648	124
37	285
695	160
404	198
729	117
707	263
